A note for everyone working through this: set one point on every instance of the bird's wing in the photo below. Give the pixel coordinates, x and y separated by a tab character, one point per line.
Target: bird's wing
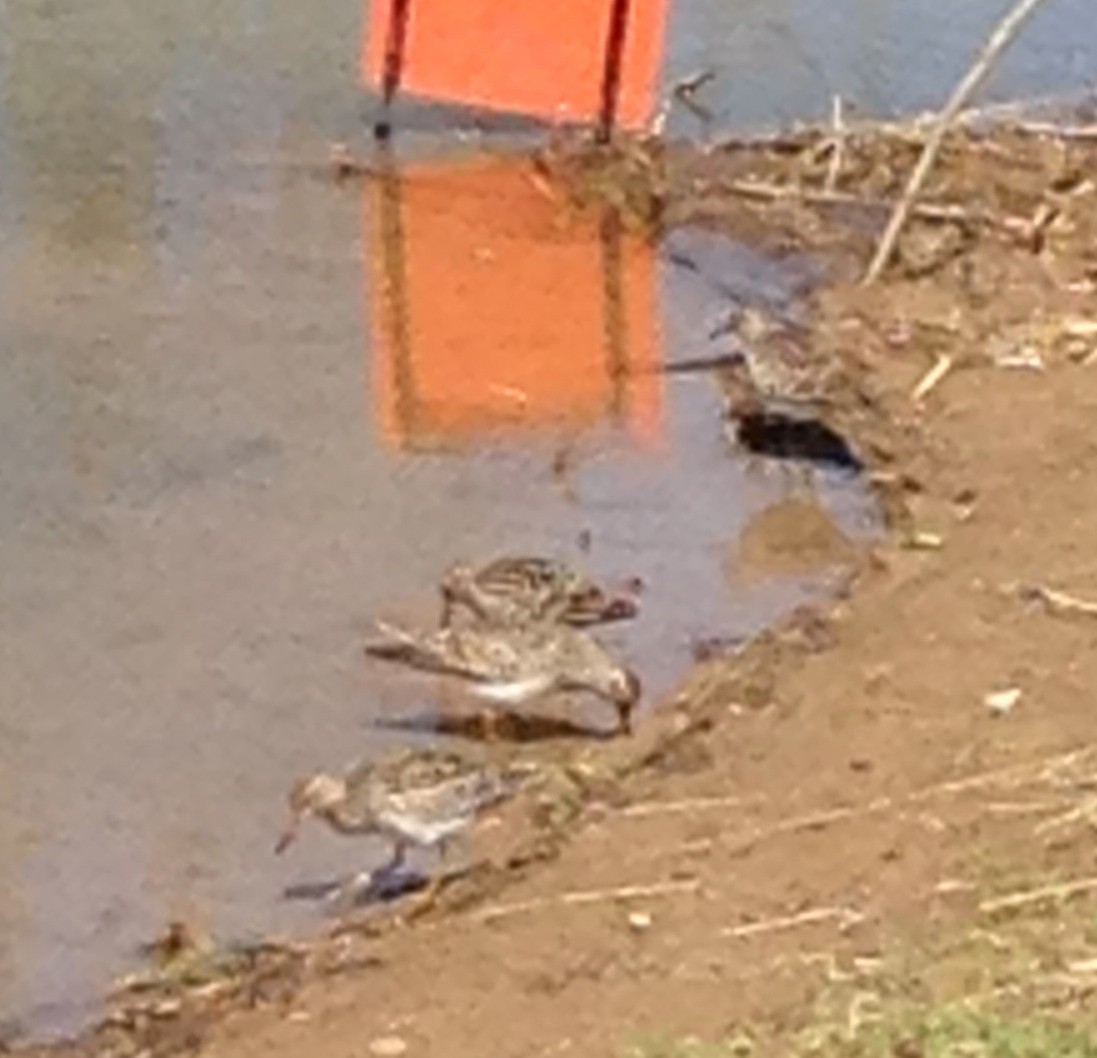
453	801
432	651
521	569
492	655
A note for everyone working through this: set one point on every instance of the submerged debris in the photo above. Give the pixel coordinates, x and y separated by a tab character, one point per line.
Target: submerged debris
188	961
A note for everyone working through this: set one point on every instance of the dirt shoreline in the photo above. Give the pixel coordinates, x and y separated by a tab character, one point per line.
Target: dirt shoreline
842	796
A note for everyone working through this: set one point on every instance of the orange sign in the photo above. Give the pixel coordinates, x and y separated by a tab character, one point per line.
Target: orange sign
491	313
555	59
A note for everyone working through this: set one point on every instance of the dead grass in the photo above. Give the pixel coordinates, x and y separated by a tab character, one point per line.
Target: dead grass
1026	988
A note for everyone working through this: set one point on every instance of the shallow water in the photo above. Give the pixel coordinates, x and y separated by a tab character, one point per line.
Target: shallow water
778	61
245	410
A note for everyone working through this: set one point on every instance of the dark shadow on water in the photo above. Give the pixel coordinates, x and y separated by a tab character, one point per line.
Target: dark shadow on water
805	440
508	728
699	364
384	888
416	115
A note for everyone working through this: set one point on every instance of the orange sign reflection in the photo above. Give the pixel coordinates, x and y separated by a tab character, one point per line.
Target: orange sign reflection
492	313
547	58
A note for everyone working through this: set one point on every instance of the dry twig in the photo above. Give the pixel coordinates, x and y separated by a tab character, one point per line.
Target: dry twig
1087	810
846	917
1003	35
743	843
1020	808
1057	602
1013	901
926	210
838	149
684	92
588	896
932	378
1010	777
1059	132
688	804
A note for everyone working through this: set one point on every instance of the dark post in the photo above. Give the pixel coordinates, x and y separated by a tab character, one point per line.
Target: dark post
611	68
399	13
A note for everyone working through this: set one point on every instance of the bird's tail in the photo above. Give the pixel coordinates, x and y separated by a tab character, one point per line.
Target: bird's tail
411	648
495	786
492	786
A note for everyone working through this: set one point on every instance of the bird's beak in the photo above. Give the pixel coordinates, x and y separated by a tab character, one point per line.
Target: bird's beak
624	717
627	703
447	606
289	835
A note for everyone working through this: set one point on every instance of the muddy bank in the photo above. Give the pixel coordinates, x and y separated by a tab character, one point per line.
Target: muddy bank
841	788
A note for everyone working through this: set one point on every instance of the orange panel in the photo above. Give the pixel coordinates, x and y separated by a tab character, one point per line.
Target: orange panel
541	57
490	314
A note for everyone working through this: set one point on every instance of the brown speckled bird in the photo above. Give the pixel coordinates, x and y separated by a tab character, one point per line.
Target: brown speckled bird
515	590
510	666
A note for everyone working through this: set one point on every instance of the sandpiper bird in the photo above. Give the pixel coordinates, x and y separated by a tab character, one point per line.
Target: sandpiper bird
775	402
520	590
509	666
414	798
772	371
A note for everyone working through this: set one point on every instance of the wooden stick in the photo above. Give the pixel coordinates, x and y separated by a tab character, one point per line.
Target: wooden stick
1058	602
745	842
1020	808
838	150
1012	109
393	71
1058	132
1011	776
927	210
1086	810
932	378
611	70
1012	901
999	40
845	915
588	896
688	804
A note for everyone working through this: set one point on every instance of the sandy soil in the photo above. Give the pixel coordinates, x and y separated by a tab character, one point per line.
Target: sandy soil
838	811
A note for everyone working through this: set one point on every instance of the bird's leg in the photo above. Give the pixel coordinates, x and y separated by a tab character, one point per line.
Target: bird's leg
443	853
354	887
624	718
465	862
489	724
425	901
395	862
